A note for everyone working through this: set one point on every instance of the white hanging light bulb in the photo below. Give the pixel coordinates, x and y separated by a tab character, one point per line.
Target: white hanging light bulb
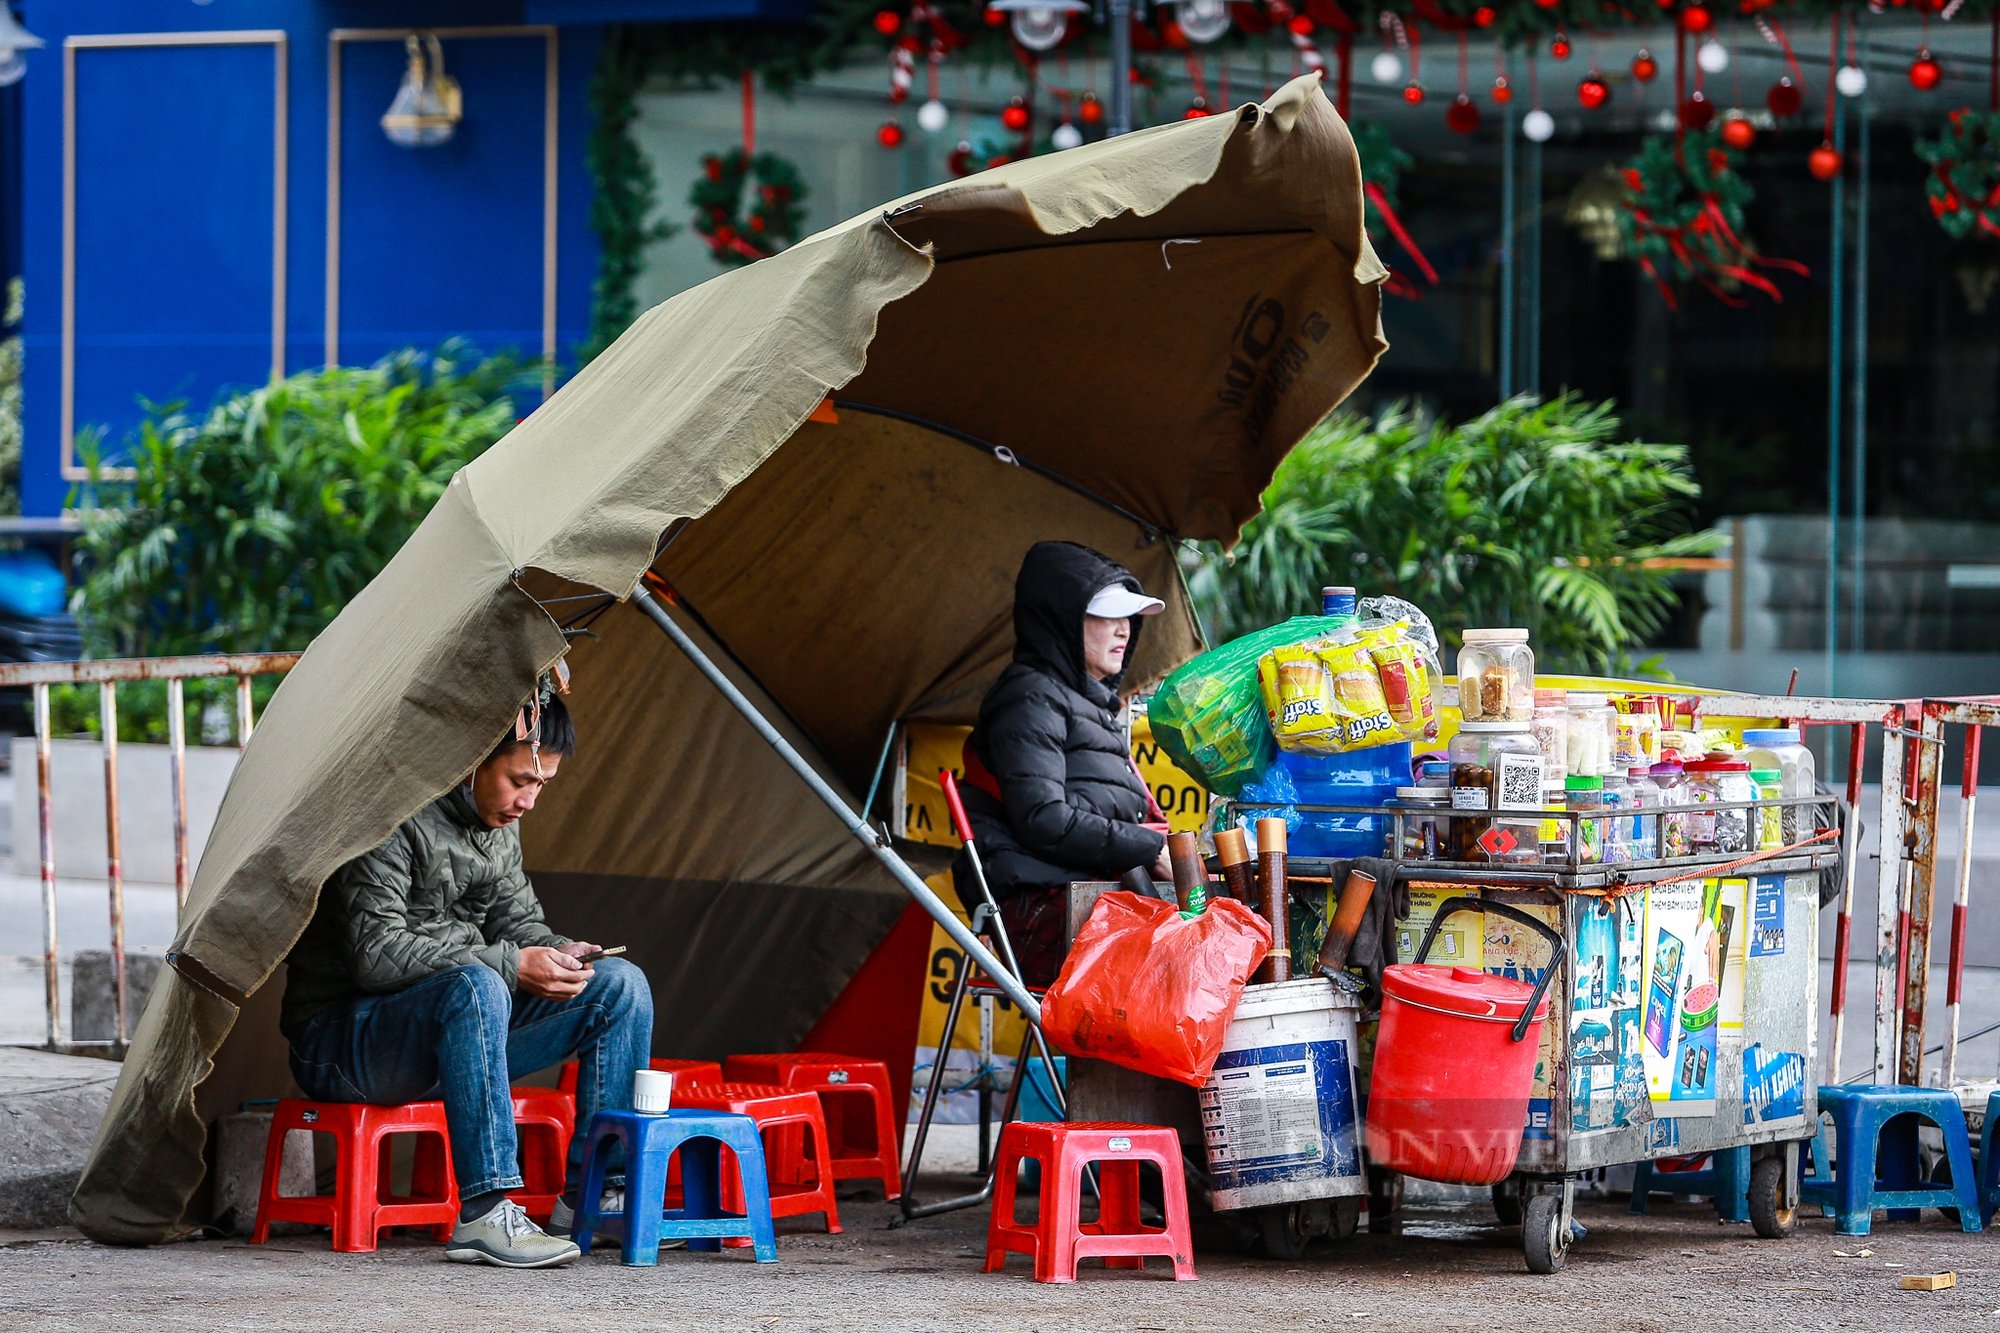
1538	125
428	104
933	116
1712	56
1386	67
1039	25
1202	21
1851	80
1066	136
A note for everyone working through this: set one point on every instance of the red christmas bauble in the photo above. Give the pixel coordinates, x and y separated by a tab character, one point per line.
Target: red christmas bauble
1738	132
1696	112
1461	117
1015	115
1593	92
712	168
960	160
999	160
1644	68
1089	110
1503	91
887	22
1484	16
890	135
1197	110
1300	25
1784	99
757	222
1559	48
995	17
898	94
1824	162
1413	92
1696	19
1548	4
1925	73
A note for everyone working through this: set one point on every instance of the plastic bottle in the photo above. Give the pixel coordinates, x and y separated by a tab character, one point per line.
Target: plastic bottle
1641	795
1340	606
1782	749
1768	826
1584	793
1671	780
1617	824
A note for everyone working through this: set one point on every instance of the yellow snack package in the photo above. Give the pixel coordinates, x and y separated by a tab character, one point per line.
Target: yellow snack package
1298	697
1408	692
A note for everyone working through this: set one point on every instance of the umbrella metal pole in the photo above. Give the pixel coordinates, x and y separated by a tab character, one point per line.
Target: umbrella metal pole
1118	14
877	845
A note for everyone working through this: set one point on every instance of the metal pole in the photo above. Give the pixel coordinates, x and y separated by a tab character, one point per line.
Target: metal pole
1531	317
1928	762
1858	376
877	845
46	809
177	786
1118	119
1510	138
107	712
1843	925
1837	348
244	720
1889	822
1968	796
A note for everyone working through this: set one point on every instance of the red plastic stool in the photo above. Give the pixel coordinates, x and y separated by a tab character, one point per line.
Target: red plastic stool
1059	1238
361	1204
777	1109
544	1120
687	1073
856	1095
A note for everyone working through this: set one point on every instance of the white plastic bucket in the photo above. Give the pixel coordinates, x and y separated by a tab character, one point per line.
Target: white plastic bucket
1279	1113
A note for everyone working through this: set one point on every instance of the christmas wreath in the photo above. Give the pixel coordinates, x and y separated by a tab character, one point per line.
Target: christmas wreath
1683	216
1964	184
776	211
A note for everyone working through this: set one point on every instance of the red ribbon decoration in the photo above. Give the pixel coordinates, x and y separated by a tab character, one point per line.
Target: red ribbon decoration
1396	229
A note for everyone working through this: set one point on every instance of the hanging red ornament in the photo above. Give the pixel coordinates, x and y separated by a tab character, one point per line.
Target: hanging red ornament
890	135
1300	26
1197	110
960	160
997	160
1644	68
1925	73
1824	162
888	22
1089	110
1593	92
995	17
1015	115
1696	112
1461	117
1696	18
1503	91
1484	16
1413	92
711	167
1784	99
1737	131
1559	48
1548	4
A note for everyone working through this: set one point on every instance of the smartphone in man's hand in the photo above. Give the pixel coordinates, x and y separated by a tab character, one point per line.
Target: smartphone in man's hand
612	952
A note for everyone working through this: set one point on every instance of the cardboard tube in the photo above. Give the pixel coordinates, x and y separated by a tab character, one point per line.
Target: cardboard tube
1346	921
1239	875
1190	877
1272	900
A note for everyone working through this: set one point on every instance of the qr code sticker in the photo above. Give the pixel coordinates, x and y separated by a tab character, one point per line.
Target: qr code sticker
1520	783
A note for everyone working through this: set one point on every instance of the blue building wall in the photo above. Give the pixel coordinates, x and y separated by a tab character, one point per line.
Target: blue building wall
210	241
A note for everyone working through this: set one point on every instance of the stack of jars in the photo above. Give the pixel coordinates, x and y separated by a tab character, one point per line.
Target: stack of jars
1497	763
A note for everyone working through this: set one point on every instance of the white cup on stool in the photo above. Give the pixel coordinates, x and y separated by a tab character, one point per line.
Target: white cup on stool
652	1091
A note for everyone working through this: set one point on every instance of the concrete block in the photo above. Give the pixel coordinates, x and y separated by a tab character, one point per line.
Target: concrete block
239	1171
50	1107
93	1013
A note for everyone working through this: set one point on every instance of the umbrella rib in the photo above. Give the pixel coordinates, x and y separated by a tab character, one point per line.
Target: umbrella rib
1003	454
1049	243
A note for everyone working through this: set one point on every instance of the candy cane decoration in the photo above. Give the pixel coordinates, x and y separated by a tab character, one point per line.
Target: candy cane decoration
902	73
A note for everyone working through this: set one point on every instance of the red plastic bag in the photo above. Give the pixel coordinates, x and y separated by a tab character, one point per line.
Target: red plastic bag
1149	989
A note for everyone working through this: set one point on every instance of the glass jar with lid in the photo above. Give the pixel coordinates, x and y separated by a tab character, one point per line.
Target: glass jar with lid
1496	676
1495	766
1550	726
1719	780
1593	734
1423	821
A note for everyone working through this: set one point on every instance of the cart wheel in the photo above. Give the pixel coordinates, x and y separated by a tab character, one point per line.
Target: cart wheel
1284	1230
1768	1214
1385	1194
1346	1218
1507	1202
1542	1234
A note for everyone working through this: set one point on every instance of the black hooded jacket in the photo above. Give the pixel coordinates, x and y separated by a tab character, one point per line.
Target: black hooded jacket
1072	806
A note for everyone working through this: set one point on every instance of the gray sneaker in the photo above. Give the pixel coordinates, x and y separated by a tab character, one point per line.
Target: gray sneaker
504	1236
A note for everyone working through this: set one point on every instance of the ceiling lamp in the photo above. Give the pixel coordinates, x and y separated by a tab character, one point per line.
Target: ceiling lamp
428	105
1039	25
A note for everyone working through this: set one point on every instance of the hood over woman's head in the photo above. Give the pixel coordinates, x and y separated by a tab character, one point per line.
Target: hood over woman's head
1052	594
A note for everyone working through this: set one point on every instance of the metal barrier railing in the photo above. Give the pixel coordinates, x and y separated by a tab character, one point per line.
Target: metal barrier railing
107	674
1975	714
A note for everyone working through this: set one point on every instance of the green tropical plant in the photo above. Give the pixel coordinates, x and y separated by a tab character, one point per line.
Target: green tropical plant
248	527
1533	515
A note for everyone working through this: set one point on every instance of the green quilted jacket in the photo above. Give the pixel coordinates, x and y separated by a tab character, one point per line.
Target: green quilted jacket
442	892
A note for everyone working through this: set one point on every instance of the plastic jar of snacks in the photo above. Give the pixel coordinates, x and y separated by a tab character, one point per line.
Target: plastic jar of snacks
1593	730
1496	676
1495	765
1550	728
1714	781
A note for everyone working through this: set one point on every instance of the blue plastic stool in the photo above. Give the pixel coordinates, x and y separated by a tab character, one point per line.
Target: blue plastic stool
1876	1126
1989	1163
1816	1182
650	1141
1726	1179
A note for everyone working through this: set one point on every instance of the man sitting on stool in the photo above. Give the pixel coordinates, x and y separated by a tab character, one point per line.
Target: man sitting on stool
427	972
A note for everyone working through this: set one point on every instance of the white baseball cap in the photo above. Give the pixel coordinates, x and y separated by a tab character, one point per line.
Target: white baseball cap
1118	602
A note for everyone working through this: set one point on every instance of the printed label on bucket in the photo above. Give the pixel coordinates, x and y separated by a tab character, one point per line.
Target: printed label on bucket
1280	1113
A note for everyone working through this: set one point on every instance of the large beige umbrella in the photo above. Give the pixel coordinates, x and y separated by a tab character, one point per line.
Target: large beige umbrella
1114	345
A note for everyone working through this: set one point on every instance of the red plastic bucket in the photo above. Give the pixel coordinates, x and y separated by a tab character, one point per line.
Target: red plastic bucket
1454	1063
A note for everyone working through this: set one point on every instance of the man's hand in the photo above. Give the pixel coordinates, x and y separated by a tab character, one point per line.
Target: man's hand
577	948
551	974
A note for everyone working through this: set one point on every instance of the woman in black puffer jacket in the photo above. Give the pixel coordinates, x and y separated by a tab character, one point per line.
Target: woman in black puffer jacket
1059	799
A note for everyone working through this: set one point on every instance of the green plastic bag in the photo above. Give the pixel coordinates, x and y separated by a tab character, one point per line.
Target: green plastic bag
1209	715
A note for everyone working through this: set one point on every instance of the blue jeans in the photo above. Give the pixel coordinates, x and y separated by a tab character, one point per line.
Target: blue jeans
461	1037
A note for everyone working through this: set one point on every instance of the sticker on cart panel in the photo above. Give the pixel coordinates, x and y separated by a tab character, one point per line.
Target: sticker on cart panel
1774	1086
1687	934
1767	917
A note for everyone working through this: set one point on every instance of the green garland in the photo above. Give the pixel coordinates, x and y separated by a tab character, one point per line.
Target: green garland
776	215
1382	166
1964	183
1683	217
623	191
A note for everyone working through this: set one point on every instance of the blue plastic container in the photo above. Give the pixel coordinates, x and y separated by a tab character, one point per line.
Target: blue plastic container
1359	777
